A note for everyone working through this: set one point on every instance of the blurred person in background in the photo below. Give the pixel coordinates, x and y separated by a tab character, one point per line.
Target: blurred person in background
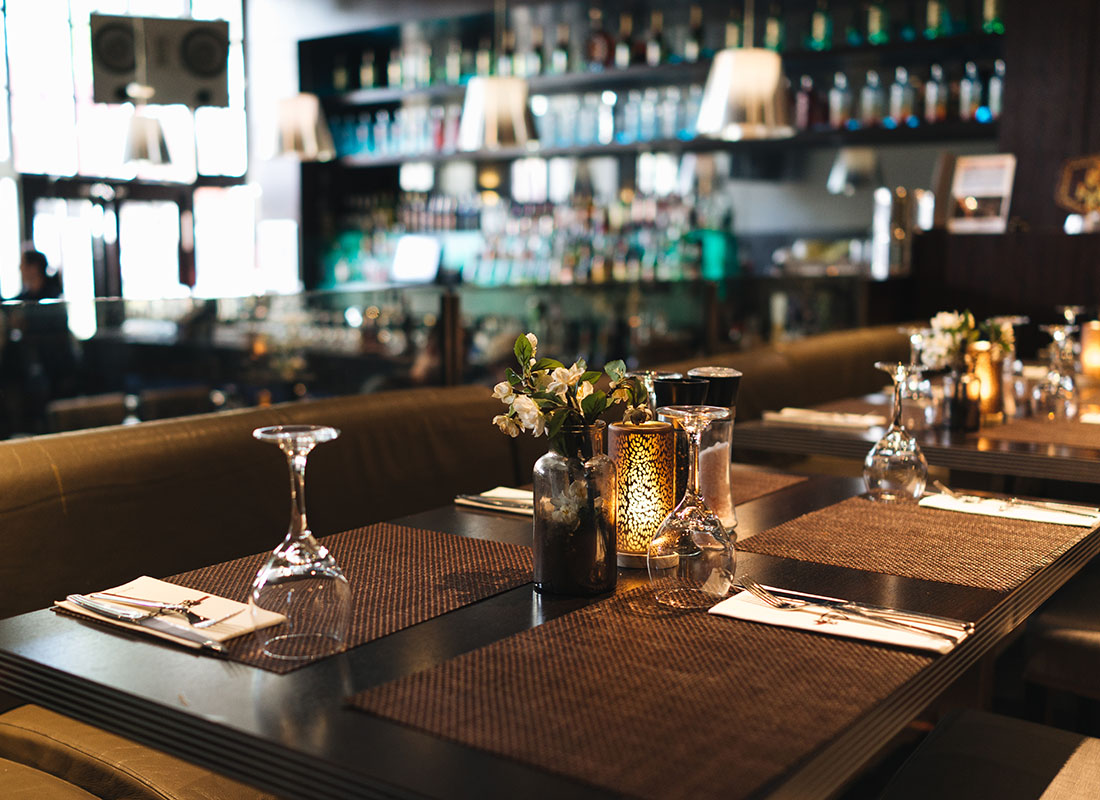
38	362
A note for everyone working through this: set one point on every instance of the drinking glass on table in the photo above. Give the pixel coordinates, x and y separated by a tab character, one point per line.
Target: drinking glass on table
691	558
300	579
918	400
1055	397
895	469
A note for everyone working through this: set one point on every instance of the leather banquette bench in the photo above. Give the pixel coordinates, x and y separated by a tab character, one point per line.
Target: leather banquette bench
85	510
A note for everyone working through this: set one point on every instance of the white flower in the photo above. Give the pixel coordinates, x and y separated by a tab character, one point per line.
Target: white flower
947	321
620	393
503	392
534	342
529	415
562	378
583	390
507	425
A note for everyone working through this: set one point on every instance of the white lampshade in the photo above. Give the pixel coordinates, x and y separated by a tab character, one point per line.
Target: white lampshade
495	115
303	131
744	97
145	140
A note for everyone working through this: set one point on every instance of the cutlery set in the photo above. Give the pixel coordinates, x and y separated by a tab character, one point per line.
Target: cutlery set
832	610
148	614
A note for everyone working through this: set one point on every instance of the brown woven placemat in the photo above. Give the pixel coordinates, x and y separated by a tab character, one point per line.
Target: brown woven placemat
924	543
649	704
1036	431
399	576
748	484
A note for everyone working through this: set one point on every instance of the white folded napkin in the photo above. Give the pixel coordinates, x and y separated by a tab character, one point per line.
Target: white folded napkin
1082	516
829	419
524	496
744	606
213	607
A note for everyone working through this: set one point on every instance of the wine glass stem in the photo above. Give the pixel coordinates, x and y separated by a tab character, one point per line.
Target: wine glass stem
694	435
298	523
897	402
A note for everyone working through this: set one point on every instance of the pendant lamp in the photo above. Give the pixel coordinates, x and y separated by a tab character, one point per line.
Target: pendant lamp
744	97
303	132
495	112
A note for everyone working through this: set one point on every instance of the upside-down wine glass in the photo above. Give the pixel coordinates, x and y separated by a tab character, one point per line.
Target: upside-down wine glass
691	558
300	579
895	469
1055	397
919	404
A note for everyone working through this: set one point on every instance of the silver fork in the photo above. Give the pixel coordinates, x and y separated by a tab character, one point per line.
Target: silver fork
183	608
830	614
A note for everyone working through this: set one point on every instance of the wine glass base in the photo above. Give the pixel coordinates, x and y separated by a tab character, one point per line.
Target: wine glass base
302	646
889	496
686	599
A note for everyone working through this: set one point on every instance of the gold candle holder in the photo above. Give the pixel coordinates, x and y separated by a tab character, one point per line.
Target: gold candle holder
988	361
645	469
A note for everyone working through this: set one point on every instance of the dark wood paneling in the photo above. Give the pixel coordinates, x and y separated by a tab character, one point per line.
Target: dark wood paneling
1051	70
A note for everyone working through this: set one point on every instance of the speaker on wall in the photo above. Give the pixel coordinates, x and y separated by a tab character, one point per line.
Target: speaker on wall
185	60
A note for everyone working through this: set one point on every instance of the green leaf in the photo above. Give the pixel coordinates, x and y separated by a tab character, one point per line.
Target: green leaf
512	377
547	363
523	351
546	396
591	376
557	419
594	405
615	370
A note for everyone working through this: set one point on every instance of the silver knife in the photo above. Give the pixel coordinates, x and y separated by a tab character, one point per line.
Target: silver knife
882	611
145	620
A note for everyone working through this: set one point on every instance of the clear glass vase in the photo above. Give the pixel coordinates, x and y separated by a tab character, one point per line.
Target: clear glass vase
574	519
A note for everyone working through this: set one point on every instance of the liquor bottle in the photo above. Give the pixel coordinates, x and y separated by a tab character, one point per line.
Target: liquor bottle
483	60
996	89
534	55
393	70
935	96
366	70
693	45
452	63
599	49
507	54
625	45
871	101
340	74
970	92
992	22
775	31
807	107
878	24
559	56
902	101
734	26
937	20
821	28
655	50
840	102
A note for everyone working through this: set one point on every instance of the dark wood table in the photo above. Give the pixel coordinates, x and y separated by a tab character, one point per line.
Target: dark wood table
293	735
942	448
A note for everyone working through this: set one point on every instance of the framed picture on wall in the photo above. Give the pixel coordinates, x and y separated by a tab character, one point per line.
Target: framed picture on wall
981	193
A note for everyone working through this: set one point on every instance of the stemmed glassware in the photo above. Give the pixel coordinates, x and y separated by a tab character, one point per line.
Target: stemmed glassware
300	579
1055	397
895	469
920	404
691	558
